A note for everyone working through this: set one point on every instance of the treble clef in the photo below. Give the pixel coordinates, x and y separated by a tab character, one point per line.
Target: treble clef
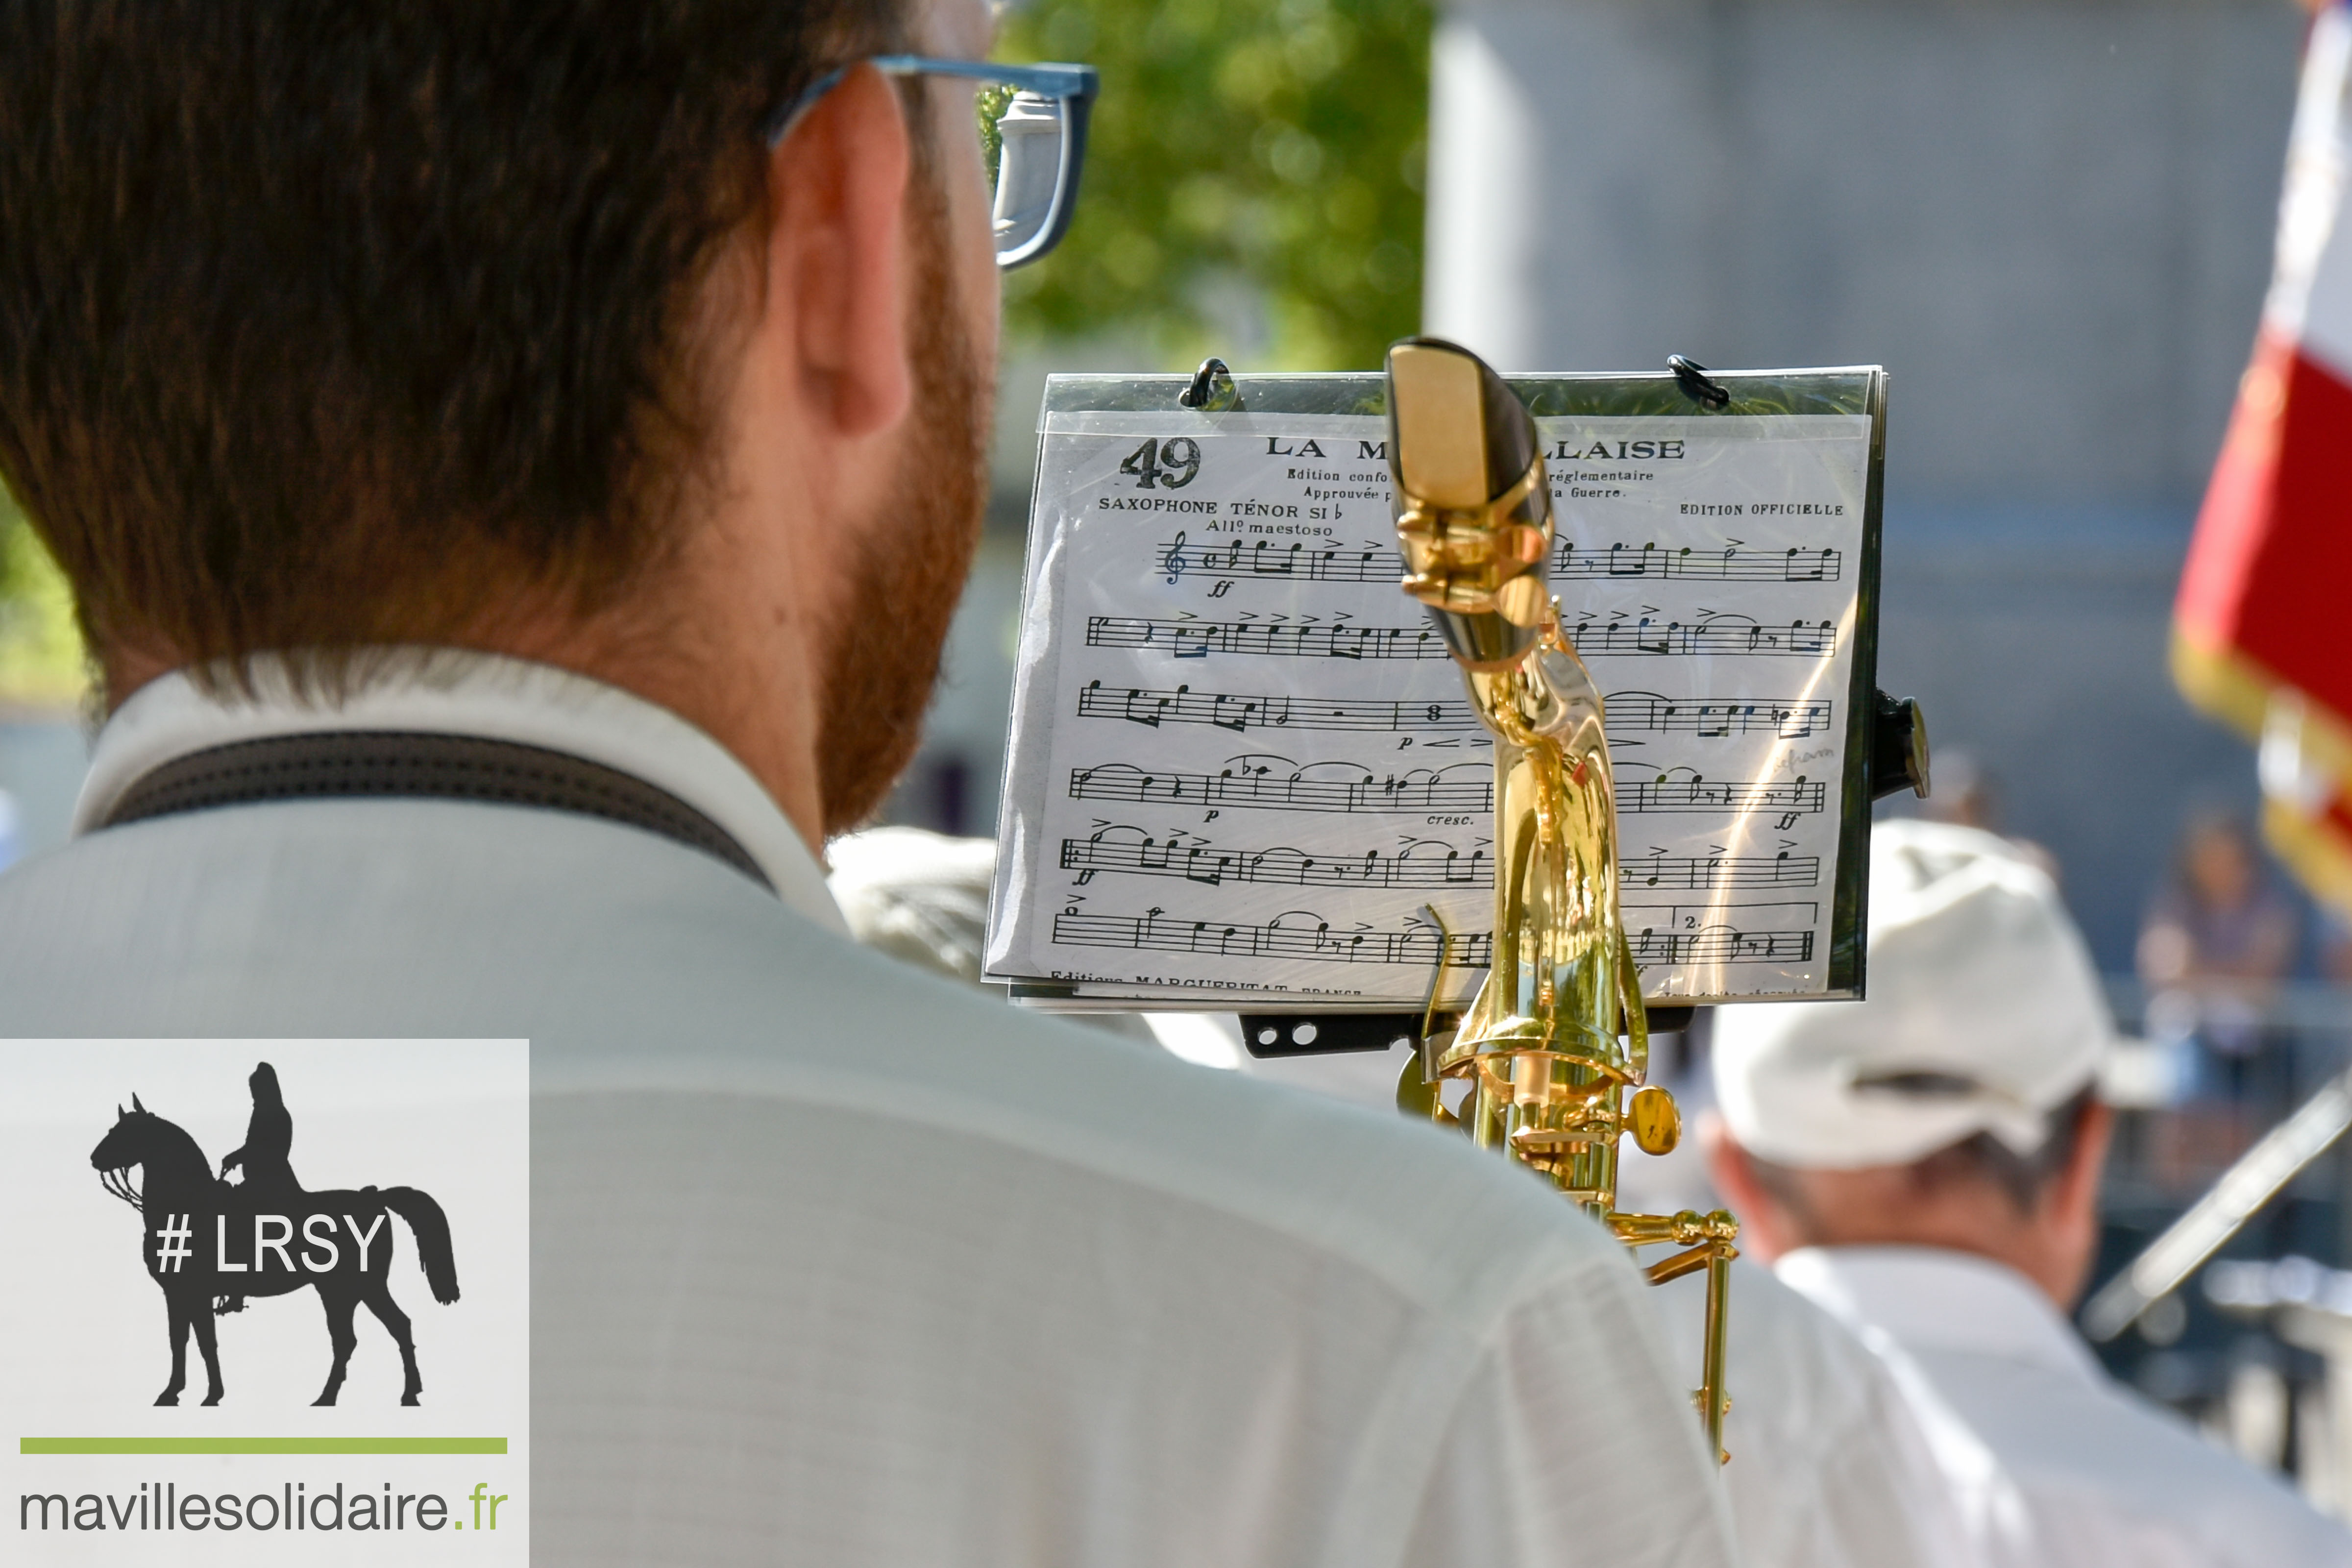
1175	563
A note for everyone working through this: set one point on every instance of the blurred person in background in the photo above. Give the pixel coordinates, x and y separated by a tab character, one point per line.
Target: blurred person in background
1829	1468
2221	922
516	464
1968	795
2336	945
1926	1164
2216	941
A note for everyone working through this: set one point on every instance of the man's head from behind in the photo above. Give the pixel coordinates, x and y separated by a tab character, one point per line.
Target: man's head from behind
495	324
1955	1106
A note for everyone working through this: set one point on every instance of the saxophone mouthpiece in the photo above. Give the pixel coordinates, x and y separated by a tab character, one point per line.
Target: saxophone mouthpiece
1473	509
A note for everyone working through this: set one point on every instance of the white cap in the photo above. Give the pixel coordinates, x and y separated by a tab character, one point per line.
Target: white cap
1983	1014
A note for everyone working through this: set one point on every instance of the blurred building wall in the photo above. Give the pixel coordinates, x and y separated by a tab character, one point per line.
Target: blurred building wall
2049	219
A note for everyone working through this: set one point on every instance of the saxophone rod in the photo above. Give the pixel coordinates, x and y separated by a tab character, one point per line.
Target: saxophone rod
2277	1158
1713	1402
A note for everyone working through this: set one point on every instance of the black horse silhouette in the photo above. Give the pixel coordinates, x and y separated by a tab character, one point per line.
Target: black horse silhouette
338	1242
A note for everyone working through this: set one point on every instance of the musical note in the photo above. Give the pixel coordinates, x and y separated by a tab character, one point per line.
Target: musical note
1715	635
1698	917
1695	873
1722	945
1426	864
1666	795
1157	932
1189	638
1629	713
1250	781
1240	711
1624	565
1298	561
1381	563
1732	564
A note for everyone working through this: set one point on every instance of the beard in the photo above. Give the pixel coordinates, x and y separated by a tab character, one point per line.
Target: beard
909	563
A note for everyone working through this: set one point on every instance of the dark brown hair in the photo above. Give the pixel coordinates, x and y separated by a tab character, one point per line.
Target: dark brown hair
320	323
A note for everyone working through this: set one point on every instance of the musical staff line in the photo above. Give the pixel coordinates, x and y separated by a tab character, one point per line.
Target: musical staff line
1185	637
1699	794
1419	866
1257	784
1234	710
1436	866
1722	946
1733	563
1698	917
1719	634
1257	787
1628	712
1156	932
1297	562
1694	873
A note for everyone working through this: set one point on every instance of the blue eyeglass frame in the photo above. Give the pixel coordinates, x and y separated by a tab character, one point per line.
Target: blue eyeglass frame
1073	85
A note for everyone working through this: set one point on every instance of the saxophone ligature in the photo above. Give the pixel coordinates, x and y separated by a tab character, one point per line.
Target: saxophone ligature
1554	1048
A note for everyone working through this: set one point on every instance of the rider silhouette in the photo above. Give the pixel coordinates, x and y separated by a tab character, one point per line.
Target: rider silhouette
268	1138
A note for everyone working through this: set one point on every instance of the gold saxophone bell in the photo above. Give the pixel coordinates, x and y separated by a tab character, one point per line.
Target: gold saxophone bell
1555	1047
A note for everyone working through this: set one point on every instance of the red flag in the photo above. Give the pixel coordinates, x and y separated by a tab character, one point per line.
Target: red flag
2263	628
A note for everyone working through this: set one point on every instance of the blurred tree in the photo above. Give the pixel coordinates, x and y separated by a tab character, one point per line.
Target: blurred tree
41	660
1244	154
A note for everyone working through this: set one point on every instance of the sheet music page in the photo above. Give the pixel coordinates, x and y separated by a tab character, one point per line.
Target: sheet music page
1244	766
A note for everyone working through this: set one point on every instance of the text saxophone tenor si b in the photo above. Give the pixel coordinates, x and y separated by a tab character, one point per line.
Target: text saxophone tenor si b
1555	1047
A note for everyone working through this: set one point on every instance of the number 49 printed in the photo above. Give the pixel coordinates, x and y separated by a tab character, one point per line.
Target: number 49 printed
1172	464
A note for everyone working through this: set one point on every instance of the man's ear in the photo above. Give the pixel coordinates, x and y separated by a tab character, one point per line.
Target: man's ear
838	255
2073	1197
2066	1223
1764	1230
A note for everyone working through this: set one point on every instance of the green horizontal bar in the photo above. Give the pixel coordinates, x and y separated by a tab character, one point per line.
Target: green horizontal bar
261	1445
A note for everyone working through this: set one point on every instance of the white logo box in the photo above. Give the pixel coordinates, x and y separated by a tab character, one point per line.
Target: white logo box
438	1128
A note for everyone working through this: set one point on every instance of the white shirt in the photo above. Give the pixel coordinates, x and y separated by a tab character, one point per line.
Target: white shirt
836	1262
1829	1467
2063	1467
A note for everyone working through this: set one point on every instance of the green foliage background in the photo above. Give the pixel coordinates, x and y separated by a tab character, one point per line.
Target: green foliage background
1275	143
41	661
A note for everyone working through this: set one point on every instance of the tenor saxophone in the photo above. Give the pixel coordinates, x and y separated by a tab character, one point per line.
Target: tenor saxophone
1555	1047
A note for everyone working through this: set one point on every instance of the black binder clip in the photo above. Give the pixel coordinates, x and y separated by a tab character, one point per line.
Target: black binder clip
1692	377
1898	748
1206	380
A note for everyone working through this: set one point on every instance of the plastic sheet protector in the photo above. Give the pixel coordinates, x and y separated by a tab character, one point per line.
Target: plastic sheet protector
1242	769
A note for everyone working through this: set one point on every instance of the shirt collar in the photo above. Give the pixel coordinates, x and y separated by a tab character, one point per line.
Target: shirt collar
455	692
1933	1298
